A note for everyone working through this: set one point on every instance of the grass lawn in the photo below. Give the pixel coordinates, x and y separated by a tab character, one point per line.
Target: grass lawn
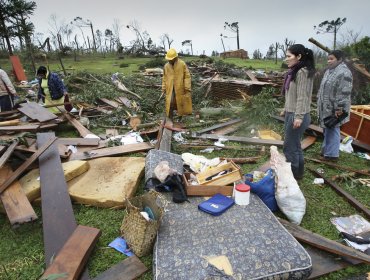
22	252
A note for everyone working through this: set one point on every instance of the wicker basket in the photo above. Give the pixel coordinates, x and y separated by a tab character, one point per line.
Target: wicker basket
139	233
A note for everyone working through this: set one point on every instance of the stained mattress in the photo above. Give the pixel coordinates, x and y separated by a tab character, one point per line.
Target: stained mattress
255	243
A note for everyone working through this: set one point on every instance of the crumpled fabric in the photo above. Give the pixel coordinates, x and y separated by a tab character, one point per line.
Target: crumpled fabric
199	164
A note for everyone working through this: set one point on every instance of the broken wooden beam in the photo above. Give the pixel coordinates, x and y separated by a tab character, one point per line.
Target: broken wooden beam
253	141
129	269
74	254
11	122
165	142
79	141
8	153
111	103
217	126
307	142
112	151
17	128
323	243
55	208
353	201
337	166
15	202
80	128
24	166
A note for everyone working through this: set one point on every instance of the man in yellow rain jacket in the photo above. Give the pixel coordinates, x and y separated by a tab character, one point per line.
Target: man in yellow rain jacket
176	84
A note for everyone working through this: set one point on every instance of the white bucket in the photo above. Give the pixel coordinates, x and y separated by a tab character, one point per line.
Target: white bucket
242	194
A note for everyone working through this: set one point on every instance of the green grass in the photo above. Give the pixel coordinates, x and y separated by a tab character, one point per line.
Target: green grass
22	252
256	64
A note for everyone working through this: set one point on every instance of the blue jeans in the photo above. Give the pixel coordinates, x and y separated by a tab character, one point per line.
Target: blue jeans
6	102
292	143
330	145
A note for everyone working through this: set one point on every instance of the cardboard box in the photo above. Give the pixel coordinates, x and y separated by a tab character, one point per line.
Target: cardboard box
209	177
269	135
205	190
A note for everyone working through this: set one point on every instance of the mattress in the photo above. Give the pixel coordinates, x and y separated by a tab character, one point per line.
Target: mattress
256	245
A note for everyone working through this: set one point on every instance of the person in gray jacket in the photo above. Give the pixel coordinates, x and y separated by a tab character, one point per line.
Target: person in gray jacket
334	99
7	92
297	89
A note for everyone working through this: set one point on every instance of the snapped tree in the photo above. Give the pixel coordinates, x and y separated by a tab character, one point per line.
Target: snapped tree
234	27
330	27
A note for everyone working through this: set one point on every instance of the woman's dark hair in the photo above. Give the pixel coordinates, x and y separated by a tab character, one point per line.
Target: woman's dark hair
42	70
307	59
338	54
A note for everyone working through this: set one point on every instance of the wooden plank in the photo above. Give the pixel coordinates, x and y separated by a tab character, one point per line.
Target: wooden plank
24	166
324	263
165	143
129	269
8	153
307	142
323	243
79	141
36	112
2	149
16	128
18	68
125	101
11	122
160	133
337	166
15	202
353	201
80	128
251	75
58	220
253	141
109	102
75	253
242	160
228	129
118	150
217	126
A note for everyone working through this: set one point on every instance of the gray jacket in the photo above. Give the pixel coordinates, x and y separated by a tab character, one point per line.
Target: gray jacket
335	92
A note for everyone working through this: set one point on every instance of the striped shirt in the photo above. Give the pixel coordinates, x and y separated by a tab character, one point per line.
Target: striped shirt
298	97
5	83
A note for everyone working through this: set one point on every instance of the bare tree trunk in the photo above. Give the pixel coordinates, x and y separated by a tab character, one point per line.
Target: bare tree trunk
61	63
93	36
276	51
6	34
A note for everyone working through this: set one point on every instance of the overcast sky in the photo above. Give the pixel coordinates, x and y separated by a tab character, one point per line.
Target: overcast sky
261	22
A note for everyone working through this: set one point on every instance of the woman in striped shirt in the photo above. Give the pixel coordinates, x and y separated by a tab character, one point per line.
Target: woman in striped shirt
298	86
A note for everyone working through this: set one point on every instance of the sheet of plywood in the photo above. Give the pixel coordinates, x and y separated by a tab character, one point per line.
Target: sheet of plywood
109	181
31	181
75	253
15	202
36	112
